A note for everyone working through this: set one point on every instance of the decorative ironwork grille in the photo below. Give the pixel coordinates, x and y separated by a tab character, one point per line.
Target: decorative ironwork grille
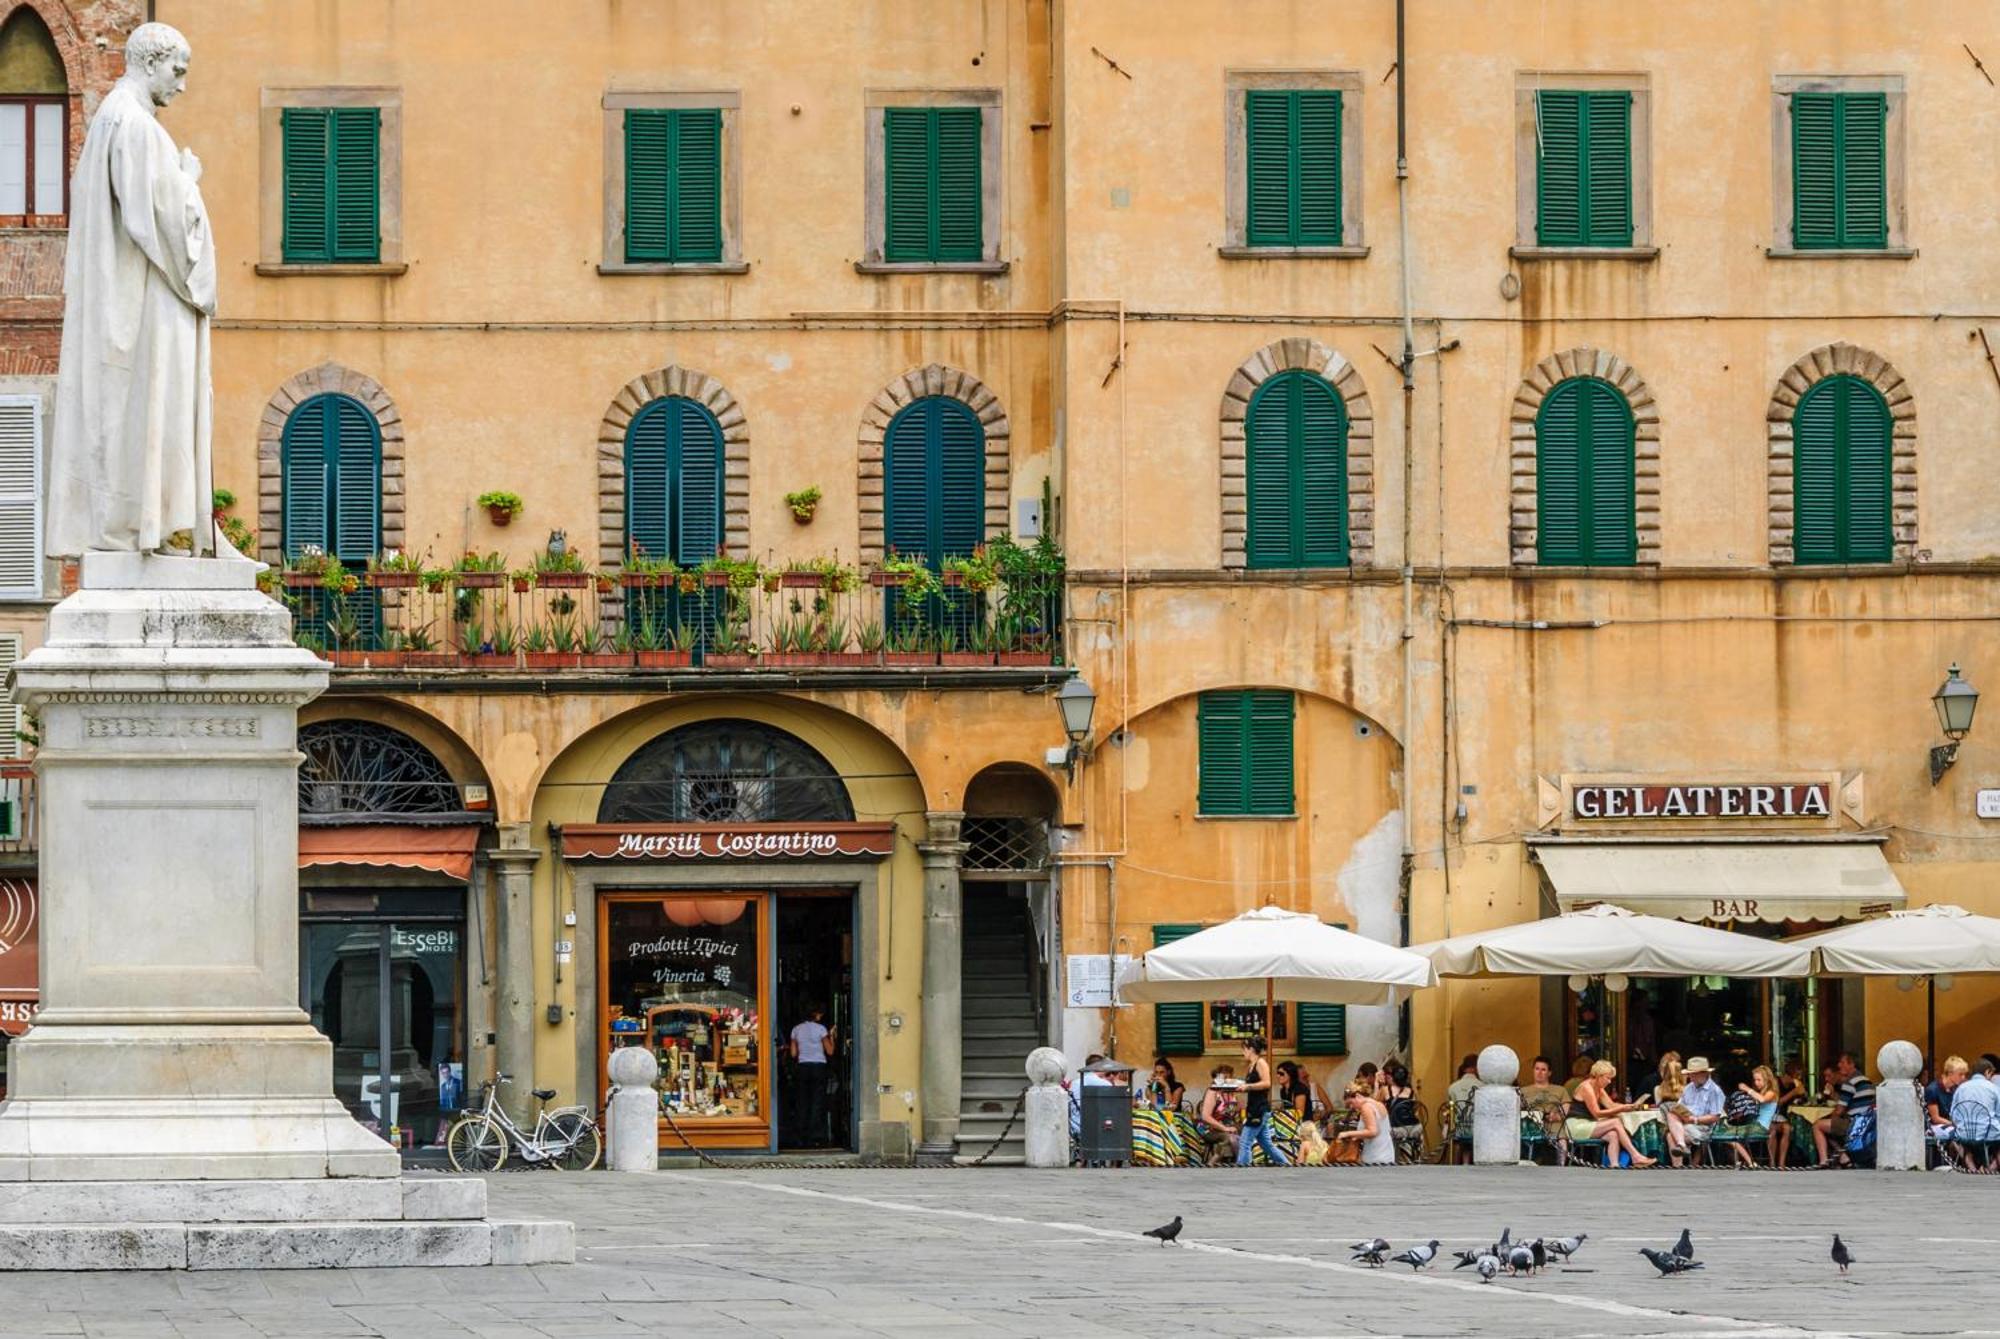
726	772
1005	845
360	767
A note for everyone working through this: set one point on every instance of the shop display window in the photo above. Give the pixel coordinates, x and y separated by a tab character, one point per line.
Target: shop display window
1232	1022
682	974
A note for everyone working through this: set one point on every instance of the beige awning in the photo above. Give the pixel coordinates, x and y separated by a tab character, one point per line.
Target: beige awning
1725	881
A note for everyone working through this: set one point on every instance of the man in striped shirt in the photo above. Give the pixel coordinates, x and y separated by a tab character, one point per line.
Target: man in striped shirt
1856	1103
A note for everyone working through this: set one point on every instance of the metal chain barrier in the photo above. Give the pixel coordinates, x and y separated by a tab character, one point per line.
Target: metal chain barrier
1020	1104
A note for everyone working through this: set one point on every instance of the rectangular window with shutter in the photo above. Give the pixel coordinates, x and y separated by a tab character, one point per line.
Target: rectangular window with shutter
20	497
673	186
1244	753
1583	168
1293	167
332	185
932	184
1177	1028
1839	171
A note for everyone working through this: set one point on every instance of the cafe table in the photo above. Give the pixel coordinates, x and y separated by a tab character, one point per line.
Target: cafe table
1648	1130
1801	1117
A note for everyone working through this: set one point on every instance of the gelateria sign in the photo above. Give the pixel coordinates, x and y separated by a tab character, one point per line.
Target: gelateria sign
1634	802
728	841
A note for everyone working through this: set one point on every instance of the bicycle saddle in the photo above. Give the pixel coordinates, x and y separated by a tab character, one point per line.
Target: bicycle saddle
544	1094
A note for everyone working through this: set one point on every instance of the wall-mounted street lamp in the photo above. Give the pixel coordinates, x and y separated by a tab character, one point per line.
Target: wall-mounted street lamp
1955	701
1077	702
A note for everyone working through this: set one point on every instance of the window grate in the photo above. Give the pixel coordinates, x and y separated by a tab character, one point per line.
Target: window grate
1002	844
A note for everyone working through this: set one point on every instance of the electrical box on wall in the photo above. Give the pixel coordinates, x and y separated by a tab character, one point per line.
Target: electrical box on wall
1028	518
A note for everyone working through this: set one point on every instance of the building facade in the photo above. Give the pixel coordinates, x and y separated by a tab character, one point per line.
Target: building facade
1539	469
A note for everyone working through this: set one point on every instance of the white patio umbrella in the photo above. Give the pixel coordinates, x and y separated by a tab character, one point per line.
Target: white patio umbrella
1610	941
1935	943
1275	953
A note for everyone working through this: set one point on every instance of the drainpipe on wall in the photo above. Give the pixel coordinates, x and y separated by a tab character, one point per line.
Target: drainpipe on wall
1408	364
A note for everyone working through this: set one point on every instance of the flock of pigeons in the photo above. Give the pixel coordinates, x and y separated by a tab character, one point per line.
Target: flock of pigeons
1516	1257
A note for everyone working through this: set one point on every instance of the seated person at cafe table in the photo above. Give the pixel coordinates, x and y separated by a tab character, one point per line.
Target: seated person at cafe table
1975	1114
1937	1096
1750	1114
1854	1105
1594	1115
1218	1123
1701	1100
1542	1090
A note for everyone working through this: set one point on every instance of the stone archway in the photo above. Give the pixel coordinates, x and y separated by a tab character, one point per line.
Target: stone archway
916	384
636	394
1843	359
1307	355
329	378
1523	530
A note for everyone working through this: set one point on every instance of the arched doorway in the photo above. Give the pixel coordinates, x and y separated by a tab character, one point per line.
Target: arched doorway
386	849
727	921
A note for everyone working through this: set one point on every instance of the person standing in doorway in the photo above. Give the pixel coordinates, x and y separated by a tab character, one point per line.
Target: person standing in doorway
812	1048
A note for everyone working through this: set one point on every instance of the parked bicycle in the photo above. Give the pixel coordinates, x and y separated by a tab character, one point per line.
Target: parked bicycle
567	1138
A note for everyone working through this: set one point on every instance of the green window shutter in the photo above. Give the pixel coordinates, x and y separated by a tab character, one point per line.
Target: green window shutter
1559	206
355	448
673	481
1322	1028
648	174
1244	752
1583	169
1295	474
1842	474
673	186
1584	476
304	475
933	184
1177	1028
356	191
1292	159
1839	171
934	481
305	136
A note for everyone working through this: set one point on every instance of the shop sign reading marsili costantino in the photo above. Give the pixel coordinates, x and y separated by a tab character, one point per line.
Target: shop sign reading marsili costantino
729	841
1731	799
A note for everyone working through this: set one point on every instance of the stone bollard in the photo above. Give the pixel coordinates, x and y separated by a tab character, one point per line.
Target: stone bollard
635	1111
1899	1109
1047	1109
1496	1109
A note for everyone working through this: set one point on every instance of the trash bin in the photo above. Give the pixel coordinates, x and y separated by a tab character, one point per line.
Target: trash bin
1105	1134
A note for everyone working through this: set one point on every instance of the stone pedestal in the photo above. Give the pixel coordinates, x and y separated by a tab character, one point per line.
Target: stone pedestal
635	1111
514	1018
1496	1109
170	1044
1899	1109
1047	1109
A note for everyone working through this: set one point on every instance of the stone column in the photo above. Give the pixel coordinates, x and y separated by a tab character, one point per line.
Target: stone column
514	990
635	1111
1047	1110
1899	1109
1496	1109
944	961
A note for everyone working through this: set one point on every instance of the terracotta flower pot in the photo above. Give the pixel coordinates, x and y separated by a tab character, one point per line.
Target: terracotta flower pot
488	660
605	660
888	578
644	580
1022	658
479	580
500	515
730	661
393	580
549	660
663	659
965	659
793	659
853	659
801	580
562	580
430	659
909	658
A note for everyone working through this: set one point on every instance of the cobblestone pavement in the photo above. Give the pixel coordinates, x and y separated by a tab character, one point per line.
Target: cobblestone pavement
830	1254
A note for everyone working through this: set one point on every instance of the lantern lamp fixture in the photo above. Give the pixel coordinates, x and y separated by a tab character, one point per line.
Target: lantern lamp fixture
1077	702
1956	701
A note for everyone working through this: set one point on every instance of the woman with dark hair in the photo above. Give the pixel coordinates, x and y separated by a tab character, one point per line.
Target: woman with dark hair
1257	1106
1400	1100
1163	1091
1295	1092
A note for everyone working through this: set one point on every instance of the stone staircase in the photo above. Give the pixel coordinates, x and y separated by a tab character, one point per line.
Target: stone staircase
1000	1025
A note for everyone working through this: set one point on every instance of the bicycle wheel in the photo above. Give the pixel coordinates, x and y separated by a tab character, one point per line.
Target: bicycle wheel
476	1144
586	1143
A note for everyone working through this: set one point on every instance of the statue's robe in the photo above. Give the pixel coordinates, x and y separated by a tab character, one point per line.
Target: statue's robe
129	458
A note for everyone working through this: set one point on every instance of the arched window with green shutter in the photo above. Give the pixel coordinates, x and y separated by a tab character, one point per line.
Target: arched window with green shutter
1295	462
1585	441
332	478
934	495
673	510
1841	472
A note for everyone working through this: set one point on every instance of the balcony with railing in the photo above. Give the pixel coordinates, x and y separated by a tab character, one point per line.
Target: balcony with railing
19	819
998	608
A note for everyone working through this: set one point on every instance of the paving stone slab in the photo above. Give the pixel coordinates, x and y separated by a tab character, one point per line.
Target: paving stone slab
402	1244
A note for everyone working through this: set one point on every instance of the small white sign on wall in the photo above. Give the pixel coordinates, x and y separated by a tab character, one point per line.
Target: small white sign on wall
1989	804
1090	978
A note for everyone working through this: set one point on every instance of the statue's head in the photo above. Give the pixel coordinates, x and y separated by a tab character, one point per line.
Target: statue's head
157	56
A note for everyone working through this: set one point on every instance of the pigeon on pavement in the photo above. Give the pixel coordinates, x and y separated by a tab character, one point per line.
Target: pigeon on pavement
1489	1265
1668	1263
1466	1258
1840	1255
1500	1246
1417	1257
1520	1260
1167	1232
1373	1246
1567	1246
1540	1249
1684	1248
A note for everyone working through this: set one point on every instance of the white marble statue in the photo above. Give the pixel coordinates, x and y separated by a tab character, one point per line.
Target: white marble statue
129	462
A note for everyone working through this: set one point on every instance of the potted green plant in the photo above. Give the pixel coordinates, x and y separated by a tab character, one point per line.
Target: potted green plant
594	650
421	652
480	571
912	574
559	571
501	506
803	503
975	571
729	647
1012	647
868	640
392	569
538	651
642	572
794	643
240	536
963	649
908	643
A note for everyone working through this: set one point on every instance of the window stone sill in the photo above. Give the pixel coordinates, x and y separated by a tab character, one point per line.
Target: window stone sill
927	267
281	271
1584	252
1246	818
695	267
1843	253
1292	252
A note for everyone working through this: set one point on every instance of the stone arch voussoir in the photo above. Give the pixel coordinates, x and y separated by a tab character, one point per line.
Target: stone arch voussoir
327	378
1843	359
1523	530
1298	353
916	384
